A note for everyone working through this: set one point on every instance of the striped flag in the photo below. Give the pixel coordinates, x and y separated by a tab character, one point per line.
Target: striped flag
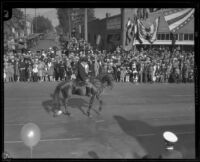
177	18
147	33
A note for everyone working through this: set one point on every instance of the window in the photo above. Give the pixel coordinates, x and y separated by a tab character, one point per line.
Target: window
176	36
117	37
159	36
171	36
181	36
167	36
162	36
186	36
191	37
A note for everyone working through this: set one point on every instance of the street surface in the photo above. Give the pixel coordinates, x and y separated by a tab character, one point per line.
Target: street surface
130	125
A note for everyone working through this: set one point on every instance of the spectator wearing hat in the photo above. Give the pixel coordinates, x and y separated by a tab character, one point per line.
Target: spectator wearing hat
16	70
118	74
26	70
145	73
96	67
10	72
185	73
35	72
115	71
22	70
50	69
123	74
56	70
170	153
30	72
40	71
61	70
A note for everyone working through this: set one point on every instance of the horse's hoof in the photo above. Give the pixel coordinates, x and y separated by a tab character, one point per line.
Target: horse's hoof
67	113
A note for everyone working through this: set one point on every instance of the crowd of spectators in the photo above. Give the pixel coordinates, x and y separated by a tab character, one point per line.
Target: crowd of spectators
149	65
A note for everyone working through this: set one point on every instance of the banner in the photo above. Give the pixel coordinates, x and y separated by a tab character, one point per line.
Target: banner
147	33
177	18
129	28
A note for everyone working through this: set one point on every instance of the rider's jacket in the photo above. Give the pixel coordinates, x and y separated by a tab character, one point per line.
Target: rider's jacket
82	71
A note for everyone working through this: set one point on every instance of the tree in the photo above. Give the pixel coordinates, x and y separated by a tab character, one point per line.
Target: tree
78	17
63	17
17	22
73	18
42	25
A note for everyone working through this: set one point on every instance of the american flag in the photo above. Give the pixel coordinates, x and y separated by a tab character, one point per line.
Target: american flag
177	18
149	33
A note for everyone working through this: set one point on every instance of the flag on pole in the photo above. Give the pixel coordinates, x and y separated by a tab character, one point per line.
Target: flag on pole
177	18
147	33
129	28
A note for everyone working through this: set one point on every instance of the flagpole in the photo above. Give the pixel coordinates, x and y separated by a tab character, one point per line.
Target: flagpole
86	25
122	27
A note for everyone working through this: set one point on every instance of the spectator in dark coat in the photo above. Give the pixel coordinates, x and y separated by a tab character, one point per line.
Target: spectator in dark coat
22	67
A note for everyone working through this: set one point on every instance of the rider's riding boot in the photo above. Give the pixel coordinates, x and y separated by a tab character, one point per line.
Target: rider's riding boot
88	91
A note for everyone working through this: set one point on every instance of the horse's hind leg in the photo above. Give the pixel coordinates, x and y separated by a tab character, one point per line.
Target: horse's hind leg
90	104
100	102
65	102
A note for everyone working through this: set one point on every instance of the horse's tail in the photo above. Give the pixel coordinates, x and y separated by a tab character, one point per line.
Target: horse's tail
107	78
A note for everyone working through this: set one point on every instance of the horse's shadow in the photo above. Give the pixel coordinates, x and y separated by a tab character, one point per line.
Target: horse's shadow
77	103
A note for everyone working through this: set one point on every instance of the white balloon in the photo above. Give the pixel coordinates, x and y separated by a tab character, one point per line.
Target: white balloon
30	134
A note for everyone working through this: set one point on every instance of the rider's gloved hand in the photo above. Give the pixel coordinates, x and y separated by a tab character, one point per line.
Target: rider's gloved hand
87	80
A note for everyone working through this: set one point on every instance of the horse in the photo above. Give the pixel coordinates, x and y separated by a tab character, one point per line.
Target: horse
69	87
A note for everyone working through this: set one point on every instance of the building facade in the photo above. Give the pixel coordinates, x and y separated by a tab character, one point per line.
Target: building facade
110	31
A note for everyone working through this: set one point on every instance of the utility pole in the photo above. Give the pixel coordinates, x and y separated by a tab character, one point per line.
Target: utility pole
25	30
69	21
122	27
35	22
86	27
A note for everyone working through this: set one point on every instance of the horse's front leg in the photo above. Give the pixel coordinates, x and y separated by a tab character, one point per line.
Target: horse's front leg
90	105
66	96
65	102
100	101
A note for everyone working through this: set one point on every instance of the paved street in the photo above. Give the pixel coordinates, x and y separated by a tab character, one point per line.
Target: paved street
130	125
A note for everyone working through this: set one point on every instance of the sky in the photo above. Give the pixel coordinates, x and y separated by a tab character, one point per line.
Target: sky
51	13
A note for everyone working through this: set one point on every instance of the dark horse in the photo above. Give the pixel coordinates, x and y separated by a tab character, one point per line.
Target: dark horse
69	87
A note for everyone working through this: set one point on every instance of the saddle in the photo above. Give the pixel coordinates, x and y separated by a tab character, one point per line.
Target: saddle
79	83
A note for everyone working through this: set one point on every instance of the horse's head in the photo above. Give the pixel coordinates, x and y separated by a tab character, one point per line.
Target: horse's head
107	80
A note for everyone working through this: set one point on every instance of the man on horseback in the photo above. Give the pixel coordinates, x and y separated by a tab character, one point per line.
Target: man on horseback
83	74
